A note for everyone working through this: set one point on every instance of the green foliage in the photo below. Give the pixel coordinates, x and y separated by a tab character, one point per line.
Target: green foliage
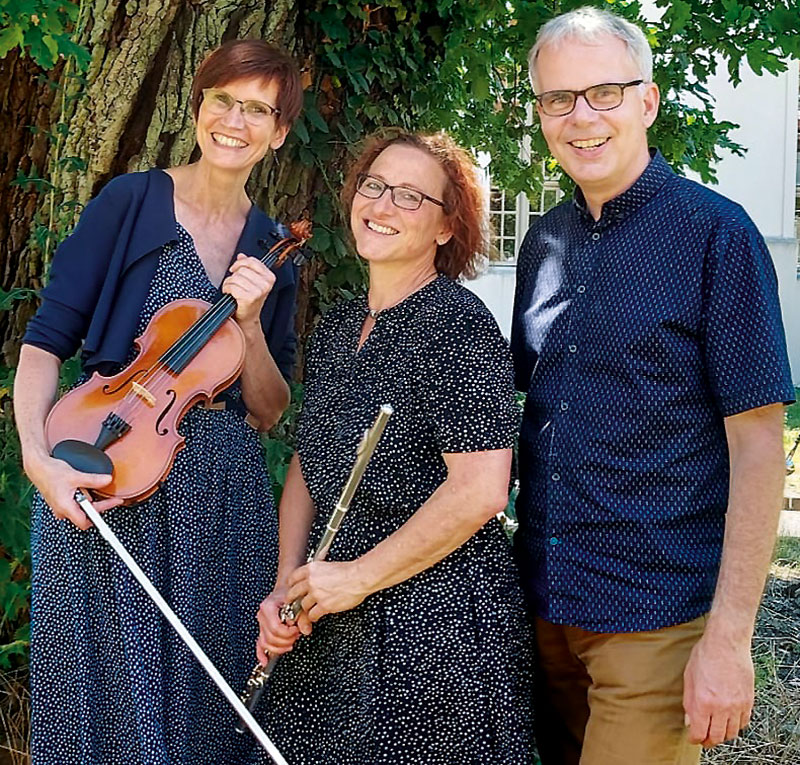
787	551
431	64
15	493
279	443
40	28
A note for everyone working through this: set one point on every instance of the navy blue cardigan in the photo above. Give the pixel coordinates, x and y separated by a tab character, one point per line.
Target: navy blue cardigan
101	275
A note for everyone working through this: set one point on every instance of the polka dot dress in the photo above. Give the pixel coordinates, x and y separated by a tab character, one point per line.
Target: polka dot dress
434	670
111	683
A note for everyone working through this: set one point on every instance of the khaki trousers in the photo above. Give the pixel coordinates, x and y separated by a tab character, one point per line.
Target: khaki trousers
613	698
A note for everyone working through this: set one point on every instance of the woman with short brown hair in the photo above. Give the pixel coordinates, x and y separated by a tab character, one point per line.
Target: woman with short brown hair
110	682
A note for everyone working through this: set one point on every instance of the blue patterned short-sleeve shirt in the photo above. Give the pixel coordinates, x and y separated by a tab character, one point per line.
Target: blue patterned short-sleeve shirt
634	337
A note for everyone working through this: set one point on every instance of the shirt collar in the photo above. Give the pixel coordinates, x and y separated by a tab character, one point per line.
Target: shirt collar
655	175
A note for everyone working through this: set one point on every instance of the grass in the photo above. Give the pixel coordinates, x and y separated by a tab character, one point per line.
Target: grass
773	737
14	717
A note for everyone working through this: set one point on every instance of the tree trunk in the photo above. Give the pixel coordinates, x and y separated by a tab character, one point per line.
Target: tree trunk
132	113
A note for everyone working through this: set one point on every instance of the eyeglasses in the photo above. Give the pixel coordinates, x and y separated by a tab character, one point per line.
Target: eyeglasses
601	98
220	102
402	196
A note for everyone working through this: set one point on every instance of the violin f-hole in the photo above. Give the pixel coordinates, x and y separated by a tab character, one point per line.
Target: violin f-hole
159	430
110	392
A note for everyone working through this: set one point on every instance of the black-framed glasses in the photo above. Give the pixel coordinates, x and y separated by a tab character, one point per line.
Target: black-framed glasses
220	102
402	196
601	98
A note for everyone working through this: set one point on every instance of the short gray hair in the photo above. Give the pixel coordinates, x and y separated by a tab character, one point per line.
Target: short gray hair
587	24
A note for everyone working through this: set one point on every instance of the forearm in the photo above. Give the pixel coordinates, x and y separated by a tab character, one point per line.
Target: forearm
296	515
35	386
756	485
264	391
454	512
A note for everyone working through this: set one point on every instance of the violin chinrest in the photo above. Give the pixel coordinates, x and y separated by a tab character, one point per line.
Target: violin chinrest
82	456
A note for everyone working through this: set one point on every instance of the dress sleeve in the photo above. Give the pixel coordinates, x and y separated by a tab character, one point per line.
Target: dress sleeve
745	345
467	386
77	274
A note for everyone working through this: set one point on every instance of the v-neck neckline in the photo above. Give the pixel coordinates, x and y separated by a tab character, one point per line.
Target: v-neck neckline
236	250
387	315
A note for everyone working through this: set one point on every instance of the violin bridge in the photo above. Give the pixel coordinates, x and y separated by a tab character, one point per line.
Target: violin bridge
143	393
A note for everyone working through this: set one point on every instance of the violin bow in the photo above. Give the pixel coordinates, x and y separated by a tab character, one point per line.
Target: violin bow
185	635
290	611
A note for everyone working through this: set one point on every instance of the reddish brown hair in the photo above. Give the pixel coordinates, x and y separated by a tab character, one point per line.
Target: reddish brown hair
463	197
246	59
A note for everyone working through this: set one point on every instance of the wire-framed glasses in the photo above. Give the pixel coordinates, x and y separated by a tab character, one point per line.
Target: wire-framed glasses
220	102
402	196
601	98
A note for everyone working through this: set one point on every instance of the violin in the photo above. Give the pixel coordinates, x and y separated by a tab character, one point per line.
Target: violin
127	424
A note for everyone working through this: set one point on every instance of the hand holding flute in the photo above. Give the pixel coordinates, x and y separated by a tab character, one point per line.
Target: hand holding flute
282	616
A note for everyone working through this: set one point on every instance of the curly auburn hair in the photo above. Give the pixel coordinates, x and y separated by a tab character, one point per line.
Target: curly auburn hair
245	59
463	253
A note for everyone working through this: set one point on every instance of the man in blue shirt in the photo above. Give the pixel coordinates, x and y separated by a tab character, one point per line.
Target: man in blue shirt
647	336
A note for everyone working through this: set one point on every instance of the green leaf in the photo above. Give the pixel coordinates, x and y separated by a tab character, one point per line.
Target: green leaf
315	118
323	211
300	130
10	38
679	14
321	241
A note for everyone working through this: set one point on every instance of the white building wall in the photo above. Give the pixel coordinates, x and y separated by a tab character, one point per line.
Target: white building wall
763	182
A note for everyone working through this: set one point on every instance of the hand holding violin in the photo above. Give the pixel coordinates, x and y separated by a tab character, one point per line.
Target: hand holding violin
249	283
58	482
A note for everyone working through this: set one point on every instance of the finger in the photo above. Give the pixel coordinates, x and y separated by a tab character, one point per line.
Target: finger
698	727
89	480
316	613
278	649
297	591
250	284
78	517
260	655
309	601
244	297
253	281
106	504
732	728
269	620
246	275
716	730
298	575
253	264
271	640
304	624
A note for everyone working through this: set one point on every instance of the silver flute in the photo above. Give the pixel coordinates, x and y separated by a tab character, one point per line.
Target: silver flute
290	611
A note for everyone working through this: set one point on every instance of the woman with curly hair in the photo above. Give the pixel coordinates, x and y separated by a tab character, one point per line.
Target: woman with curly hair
420	646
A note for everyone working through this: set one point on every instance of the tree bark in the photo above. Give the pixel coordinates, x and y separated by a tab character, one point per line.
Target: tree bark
132	113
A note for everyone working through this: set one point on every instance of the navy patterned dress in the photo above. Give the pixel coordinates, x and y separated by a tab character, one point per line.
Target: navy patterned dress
435	670
111	683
